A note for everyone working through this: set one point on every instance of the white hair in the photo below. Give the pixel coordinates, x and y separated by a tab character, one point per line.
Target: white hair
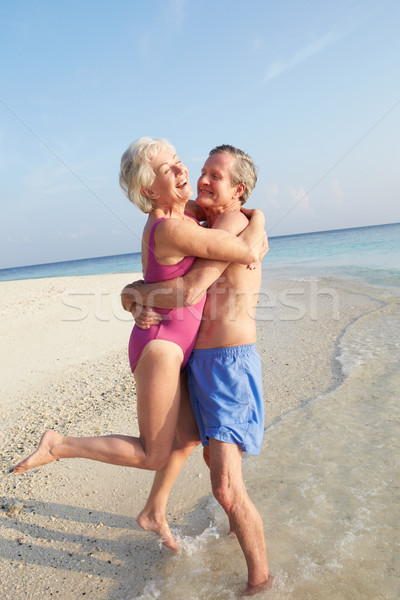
137	172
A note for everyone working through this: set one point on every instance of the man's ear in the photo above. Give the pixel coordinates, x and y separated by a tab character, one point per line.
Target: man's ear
239	190
148	192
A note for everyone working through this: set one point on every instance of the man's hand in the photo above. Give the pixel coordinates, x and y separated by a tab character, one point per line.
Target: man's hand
145	316
128	297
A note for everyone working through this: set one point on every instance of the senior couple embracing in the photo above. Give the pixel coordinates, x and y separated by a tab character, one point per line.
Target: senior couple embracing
196	369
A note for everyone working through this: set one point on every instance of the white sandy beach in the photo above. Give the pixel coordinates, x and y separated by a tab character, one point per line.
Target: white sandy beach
69	529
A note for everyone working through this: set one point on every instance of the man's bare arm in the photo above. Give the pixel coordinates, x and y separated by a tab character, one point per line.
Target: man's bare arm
187	290
175	293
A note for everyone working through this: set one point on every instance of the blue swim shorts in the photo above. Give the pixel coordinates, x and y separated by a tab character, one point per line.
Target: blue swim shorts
226	394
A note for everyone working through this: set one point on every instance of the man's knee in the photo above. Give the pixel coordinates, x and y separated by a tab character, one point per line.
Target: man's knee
223	492
226	474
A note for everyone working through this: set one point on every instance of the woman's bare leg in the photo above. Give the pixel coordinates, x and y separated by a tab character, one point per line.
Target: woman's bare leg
152	517
158	396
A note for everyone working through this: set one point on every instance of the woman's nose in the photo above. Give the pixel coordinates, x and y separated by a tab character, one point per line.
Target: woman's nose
180	168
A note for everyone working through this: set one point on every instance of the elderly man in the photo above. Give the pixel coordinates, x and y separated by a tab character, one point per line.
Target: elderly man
224	371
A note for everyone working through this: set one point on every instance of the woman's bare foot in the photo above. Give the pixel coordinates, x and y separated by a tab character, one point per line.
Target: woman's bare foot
44	453
261	587
150	523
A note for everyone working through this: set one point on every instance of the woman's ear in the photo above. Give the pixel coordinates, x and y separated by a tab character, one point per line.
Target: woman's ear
149	193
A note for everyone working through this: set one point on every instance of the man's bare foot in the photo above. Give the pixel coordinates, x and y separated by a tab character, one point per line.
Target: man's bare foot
44	453
261	587
149	523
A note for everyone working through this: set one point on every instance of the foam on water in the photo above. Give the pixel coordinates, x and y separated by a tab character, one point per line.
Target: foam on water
192	545
370	343
201	568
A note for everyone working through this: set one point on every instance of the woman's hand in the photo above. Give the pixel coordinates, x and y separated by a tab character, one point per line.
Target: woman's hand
251	213
263	251
260	242
247	211
195	210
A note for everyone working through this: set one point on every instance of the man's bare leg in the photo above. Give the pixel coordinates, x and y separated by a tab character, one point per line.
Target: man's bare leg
228	488
206	456
153	515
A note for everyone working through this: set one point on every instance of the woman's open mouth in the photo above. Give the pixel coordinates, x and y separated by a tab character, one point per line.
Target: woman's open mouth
182	183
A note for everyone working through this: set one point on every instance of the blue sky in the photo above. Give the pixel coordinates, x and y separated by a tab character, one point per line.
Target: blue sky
311	89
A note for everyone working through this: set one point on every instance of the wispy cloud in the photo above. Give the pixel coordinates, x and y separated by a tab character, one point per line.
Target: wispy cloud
47	181
301	198
256	42
337	192
176	13
280	66
272	192
24	239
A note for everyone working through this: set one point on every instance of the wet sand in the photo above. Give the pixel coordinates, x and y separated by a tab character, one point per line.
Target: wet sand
68	529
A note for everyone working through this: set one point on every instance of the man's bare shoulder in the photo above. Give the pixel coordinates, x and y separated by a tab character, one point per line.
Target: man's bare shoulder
233	221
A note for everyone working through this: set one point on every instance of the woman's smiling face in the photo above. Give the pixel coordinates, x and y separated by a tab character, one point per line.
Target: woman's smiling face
171	182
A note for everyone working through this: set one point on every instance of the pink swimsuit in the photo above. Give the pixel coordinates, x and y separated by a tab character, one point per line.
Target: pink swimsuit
179	325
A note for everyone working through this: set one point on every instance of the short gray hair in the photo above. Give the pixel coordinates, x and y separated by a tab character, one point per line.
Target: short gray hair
243	170
136	170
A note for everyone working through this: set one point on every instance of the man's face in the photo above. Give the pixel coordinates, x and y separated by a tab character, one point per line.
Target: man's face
214	187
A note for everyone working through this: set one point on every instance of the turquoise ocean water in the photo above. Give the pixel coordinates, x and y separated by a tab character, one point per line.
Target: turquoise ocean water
327	479
120	263
372	253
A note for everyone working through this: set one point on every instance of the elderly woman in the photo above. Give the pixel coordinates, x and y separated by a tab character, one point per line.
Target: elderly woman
154	179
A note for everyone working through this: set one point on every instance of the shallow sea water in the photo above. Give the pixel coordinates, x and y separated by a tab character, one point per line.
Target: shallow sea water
327	487
332	515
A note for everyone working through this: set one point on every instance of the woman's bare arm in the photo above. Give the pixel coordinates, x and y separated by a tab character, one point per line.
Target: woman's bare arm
181	238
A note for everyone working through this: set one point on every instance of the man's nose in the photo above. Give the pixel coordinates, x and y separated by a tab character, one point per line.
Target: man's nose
203	178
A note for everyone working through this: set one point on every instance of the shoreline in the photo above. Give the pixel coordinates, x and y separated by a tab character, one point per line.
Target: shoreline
371	292
76	531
